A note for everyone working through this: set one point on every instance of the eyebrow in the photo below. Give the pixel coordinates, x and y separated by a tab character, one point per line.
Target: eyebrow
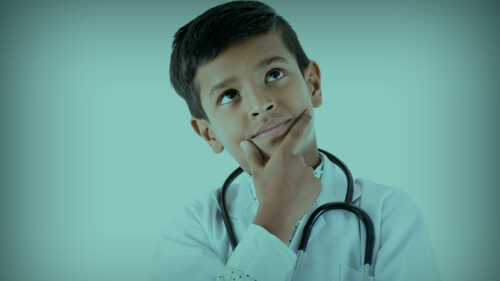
263	63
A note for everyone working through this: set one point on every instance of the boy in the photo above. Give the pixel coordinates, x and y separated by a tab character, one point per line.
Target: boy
251	90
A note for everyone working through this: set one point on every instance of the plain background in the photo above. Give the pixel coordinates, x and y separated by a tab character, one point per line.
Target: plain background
97	151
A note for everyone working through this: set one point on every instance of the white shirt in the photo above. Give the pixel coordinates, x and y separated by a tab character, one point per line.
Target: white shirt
196	245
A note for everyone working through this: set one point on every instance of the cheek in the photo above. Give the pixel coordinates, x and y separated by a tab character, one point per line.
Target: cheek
295	93
230	134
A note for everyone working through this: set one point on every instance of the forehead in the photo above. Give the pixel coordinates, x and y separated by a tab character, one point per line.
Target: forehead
241	57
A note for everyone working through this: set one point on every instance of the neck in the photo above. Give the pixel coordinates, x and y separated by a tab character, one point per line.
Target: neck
311	156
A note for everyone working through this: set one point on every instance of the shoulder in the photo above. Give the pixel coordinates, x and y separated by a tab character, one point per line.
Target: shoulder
204	209
201	209
193	219
400	231
385	199
198	224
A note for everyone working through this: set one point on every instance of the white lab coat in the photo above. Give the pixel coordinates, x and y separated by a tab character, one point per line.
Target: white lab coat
196	246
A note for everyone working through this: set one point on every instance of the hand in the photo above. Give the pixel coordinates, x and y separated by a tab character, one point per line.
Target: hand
286	187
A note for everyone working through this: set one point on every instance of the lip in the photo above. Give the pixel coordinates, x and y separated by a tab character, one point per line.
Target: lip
272	128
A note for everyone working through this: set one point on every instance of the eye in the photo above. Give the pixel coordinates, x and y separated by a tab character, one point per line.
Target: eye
275	73
230	94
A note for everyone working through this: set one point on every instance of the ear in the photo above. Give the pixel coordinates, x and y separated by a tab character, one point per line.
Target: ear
312	75
203	129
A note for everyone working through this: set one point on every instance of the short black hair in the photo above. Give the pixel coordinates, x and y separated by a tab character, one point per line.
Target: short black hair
203	38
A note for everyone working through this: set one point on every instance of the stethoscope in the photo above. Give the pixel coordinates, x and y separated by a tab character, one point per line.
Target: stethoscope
346	206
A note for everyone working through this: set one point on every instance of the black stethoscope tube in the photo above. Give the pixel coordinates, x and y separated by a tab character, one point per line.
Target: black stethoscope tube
225	216
362	215
346	206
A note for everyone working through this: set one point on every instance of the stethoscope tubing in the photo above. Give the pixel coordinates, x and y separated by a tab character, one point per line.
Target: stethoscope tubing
362	215
224	212
346	206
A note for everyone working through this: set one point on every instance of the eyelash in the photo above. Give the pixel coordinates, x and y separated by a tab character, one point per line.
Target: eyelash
230	91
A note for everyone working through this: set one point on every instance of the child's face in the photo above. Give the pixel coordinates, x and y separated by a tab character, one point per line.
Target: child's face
255	93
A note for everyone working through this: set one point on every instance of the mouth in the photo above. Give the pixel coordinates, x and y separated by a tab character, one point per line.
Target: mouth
274	131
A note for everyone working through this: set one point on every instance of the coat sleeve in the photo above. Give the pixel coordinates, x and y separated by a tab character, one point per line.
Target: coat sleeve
185	251
405	251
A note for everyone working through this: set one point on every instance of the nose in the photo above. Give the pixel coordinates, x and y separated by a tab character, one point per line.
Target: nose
260	106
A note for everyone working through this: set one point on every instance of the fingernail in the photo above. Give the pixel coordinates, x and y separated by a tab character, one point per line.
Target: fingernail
244	146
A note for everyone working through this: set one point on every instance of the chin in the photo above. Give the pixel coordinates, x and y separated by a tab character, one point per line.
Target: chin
268	149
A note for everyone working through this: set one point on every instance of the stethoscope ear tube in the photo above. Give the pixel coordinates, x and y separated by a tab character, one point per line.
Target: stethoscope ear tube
224	212
347	172
362	215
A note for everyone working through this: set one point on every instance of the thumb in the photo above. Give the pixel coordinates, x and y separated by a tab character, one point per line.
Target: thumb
255	160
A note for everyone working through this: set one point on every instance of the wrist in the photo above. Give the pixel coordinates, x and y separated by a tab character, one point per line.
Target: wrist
277	226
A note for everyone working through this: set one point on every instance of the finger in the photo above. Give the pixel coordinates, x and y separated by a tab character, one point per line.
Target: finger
255	159
296	132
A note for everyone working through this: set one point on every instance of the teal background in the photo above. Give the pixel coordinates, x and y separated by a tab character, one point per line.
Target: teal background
97	151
